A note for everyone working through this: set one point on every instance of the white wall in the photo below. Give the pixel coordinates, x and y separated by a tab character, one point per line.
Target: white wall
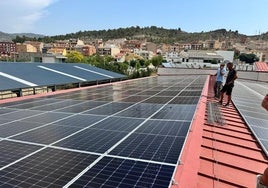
227	55
260	76
48	60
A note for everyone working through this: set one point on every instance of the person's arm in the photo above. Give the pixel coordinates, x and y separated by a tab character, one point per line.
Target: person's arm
235	77
222	71
264	103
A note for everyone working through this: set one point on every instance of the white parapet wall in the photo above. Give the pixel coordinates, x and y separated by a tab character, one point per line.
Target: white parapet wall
250	75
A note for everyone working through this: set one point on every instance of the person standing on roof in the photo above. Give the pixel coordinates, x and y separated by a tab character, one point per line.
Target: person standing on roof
229	84
219	80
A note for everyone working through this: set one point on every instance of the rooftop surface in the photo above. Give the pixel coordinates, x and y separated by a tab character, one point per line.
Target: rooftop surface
28	75
221	151
142	132
127	134
261	66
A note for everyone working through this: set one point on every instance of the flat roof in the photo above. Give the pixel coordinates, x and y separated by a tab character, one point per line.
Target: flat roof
124	134
25	75
164	131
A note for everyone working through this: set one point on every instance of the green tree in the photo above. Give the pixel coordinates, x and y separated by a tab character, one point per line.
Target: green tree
19	39
74	57
133	63
156	61
248	58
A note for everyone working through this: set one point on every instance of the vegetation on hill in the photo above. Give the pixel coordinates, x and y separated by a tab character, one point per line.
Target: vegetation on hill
27	36
151	34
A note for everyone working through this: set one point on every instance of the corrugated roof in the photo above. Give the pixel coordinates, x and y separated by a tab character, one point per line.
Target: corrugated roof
261	66
218	155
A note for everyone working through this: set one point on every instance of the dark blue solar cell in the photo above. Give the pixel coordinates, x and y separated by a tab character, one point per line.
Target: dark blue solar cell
81	107
21	114
176	112
79	120
151	147
47	134
142	110
125	173
49	167
185	100
16	127
165	128
93	140
109	108
118	124
12	151
46	117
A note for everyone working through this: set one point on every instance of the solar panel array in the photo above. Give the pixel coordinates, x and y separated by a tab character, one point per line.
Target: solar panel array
127	134
247	98
25	75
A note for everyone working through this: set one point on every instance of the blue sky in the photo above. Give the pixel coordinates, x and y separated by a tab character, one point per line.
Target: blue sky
54	17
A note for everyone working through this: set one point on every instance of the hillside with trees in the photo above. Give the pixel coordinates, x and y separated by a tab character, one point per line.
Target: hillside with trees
151	34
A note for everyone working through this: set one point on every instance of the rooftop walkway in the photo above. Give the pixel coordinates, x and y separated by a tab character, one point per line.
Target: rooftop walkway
221	154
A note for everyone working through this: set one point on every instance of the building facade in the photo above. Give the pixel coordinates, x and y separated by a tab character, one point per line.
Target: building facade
7	48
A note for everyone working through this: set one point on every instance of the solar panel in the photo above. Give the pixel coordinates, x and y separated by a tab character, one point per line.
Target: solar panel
158	100
141	110
12	128
46	134
185	100
55	105
5	111
109	108
11	151
118	124
115	172
257	122
151	147
176	112
93	140
38	74
81	107
164	128
260	132
14	115
247	98
46	117
47	168
79	120
31	103
127	134
190	93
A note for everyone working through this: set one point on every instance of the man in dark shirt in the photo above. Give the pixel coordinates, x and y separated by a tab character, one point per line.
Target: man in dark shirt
229	84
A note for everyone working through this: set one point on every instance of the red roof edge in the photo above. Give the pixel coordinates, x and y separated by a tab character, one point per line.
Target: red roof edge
186	174
261	67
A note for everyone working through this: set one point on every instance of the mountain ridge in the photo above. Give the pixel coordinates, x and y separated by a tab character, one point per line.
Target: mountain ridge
152	34
8	37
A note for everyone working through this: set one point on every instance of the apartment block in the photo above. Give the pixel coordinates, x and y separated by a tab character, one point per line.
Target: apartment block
57	51
38	45
109	50
25	48
6	48
86	50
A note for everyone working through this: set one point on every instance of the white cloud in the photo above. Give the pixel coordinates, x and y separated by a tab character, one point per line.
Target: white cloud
21	15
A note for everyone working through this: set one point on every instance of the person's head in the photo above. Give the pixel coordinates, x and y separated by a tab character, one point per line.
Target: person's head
222	65
230	65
